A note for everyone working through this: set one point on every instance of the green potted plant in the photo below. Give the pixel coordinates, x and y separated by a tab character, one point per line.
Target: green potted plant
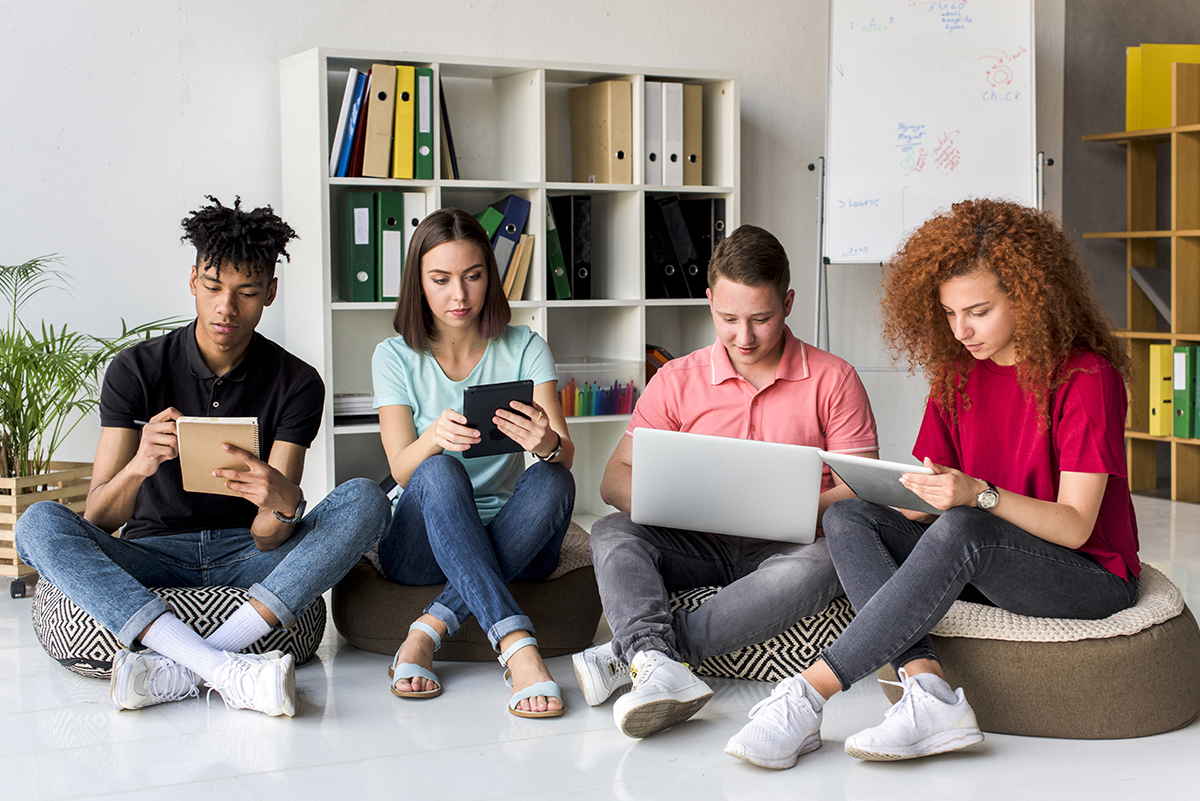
49	380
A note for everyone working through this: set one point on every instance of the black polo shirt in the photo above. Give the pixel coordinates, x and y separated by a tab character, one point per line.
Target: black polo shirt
283	392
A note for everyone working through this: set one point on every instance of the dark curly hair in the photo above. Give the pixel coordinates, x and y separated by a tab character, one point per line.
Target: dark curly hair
1054	312
224	235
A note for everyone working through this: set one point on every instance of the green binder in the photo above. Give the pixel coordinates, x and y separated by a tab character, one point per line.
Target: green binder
1184	400
389	244
490	218
555	263
356	251
423	141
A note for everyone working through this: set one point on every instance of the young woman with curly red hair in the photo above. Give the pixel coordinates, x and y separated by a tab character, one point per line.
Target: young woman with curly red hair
1024	432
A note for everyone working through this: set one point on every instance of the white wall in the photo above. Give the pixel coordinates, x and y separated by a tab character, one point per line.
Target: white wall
118	117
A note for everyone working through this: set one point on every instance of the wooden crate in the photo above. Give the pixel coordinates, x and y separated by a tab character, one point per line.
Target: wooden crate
67	483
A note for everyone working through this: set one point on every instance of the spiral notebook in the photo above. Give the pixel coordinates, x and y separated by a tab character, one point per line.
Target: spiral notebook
200	452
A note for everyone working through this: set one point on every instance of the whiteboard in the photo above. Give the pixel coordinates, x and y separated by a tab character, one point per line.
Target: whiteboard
929	103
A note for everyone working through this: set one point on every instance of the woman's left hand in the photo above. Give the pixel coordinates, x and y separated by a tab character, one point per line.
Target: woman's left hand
946	488
530	429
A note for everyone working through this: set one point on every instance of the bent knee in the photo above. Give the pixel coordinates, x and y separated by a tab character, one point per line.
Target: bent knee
848	514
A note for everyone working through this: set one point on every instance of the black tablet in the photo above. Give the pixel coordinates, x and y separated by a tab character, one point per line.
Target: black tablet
479	407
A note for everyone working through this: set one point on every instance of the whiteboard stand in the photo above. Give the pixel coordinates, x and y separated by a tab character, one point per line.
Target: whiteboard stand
821	295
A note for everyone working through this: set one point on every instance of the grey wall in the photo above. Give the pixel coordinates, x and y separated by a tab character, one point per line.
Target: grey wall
1097	33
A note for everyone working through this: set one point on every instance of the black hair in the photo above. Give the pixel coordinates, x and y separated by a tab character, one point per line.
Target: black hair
224	235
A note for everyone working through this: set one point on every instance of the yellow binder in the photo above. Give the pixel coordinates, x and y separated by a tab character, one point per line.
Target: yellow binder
1155	70
1162	390
406	90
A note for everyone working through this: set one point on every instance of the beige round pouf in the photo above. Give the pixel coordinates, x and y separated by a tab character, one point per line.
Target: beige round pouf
1130	675
373	613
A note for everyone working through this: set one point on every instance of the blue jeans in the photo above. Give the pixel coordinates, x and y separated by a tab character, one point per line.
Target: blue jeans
437	537
902	577
107	576
766	587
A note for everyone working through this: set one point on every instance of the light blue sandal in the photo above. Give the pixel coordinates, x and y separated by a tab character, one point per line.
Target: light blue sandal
408	670
550	689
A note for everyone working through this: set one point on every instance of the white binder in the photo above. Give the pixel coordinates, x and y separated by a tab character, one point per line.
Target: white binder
654	134
672	118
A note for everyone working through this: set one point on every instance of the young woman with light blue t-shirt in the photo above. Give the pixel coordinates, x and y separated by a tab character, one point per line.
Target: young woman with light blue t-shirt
474	524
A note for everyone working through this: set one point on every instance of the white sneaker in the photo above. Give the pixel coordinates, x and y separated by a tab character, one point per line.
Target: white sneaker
918	725
664	692
148	678
600	673
262	682
783	727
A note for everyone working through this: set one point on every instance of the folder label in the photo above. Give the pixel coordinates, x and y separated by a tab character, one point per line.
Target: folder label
362	226
425	112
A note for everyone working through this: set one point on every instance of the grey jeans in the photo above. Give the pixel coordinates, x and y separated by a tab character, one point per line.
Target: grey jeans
902	577
767	587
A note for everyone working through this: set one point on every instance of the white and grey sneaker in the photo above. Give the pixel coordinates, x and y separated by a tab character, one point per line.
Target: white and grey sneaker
920	723
664	692
263	682
600	673
782	728
143	679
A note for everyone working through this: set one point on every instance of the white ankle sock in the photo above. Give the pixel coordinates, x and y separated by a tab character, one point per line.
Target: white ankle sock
173	638
814	698
243	628
936	686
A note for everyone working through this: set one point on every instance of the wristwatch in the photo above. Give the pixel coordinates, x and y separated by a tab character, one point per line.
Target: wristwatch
294	519
988	499
550	457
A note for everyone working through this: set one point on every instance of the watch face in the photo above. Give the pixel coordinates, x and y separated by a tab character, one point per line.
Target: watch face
988	499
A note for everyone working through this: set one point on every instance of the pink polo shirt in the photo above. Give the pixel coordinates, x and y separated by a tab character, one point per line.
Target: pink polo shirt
814	399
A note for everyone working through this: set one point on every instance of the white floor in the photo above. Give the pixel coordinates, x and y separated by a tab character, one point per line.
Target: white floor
59	738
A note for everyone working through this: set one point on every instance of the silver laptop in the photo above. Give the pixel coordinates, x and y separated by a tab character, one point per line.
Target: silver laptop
721	485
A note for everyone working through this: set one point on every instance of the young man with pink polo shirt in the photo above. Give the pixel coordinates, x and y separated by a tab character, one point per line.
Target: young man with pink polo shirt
757	381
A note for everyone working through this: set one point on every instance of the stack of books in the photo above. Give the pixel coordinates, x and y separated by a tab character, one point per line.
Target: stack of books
353	407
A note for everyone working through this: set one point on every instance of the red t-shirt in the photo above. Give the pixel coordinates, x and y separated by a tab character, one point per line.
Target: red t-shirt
997	439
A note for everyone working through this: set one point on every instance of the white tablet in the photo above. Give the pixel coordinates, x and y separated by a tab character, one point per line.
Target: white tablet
878	481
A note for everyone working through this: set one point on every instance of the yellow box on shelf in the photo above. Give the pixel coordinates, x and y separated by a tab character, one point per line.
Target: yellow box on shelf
1148	82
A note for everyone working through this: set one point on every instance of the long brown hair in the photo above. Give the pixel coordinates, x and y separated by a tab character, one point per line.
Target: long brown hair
1054	312
413	319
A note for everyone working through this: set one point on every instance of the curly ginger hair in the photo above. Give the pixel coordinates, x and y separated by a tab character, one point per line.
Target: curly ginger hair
1055	314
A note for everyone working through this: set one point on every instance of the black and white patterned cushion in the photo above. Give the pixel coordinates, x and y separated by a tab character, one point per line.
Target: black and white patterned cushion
76	641
779	657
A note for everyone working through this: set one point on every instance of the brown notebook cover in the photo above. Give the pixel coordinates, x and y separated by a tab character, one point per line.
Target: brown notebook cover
200	452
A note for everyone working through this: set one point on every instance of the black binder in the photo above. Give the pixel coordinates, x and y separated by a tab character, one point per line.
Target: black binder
705	219
664	279
573	219
694	276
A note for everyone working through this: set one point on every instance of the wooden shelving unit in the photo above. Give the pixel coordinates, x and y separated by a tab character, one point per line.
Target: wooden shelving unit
1142	236
511	132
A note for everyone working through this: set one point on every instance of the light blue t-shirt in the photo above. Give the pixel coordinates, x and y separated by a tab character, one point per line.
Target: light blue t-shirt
403	377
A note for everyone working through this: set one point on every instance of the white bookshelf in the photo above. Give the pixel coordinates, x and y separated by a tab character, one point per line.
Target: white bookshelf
511	134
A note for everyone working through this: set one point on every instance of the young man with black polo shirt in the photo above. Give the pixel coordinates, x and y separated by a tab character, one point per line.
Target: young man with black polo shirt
263	540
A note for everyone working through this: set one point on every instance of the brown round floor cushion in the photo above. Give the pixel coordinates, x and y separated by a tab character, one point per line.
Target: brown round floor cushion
373	613
76	641
1130	675
781	656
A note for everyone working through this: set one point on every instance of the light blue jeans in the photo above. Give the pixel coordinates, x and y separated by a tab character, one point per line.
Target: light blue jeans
107	576
437	537
766	587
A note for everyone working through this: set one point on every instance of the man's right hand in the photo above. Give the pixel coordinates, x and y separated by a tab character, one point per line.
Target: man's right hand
158	443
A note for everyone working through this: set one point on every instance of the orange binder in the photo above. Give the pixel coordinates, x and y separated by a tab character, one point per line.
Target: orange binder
601	132
380	111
